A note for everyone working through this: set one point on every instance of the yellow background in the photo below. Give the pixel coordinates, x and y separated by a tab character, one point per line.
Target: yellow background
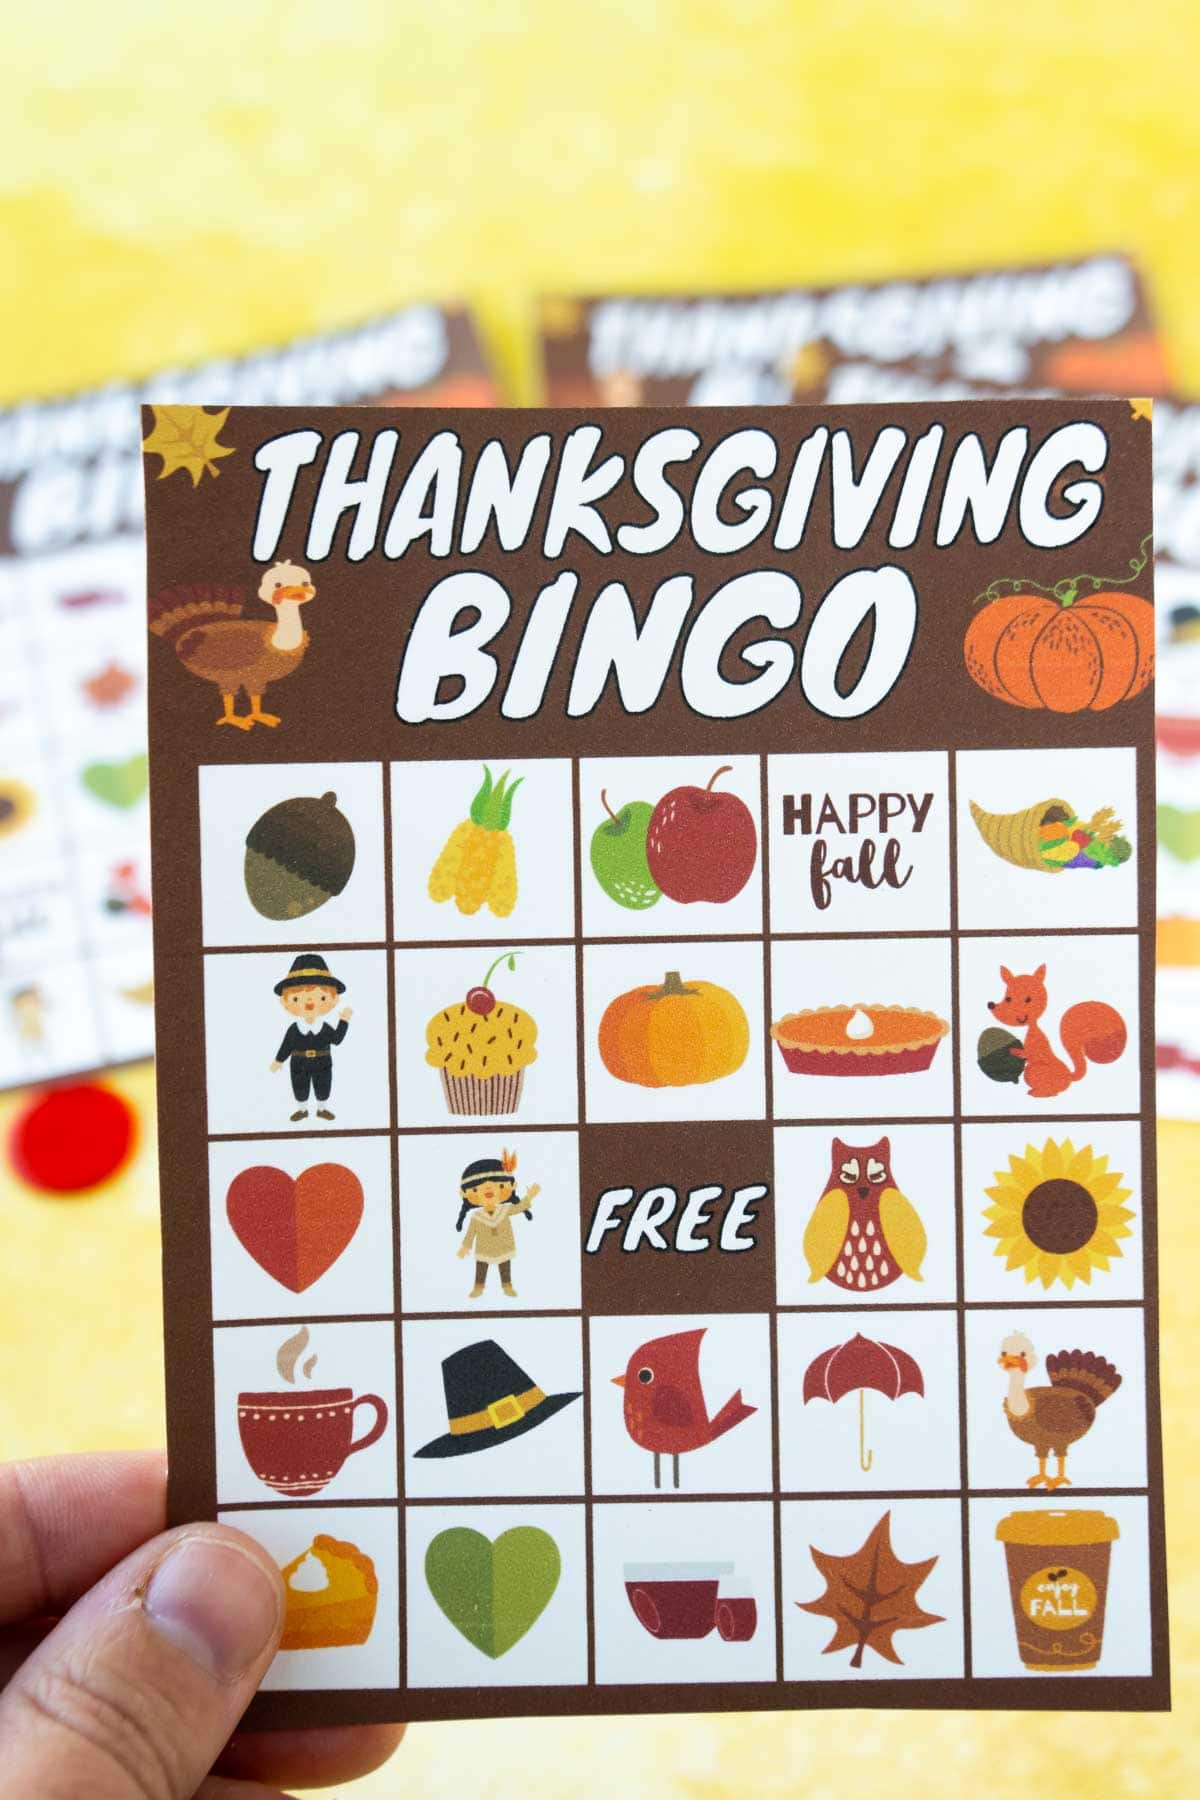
179	182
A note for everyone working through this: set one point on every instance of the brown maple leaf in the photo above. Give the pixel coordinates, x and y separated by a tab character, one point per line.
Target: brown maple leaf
870	1595
109	685
186	438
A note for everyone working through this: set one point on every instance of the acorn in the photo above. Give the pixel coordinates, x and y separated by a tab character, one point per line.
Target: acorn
995	1054
299	854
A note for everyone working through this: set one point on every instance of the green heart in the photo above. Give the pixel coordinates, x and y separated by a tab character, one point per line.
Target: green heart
120	784
1180	832
493	1593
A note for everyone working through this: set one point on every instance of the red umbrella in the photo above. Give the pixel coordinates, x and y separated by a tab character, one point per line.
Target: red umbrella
861	1363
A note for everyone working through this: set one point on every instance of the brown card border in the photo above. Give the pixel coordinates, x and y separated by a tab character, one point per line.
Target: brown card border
181	740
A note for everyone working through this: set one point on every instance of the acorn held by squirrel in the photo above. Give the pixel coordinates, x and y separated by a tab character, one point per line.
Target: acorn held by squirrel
299	854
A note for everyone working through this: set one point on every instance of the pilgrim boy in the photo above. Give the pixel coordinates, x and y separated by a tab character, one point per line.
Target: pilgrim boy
488	1191
308	991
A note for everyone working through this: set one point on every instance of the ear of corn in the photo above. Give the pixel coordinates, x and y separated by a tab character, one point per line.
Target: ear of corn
492	806
502	885
443	880
478	864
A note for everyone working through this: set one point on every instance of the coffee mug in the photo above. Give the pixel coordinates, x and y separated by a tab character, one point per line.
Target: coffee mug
295	1443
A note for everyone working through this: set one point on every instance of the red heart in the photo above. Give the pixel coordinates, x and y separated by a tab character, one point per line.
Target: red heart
295	1229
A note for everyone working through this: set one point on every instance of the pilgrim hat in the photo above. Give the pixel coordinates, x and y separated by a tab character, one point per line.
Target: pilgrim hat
309	970
489	1399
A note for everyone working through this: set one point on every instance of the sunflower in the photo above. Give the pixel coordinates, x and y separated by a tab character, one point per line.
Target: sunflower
1058	1213
18	803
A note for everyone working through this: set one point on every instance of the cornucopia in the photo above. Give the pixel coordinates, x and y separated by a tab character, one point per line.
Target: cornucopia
1050	836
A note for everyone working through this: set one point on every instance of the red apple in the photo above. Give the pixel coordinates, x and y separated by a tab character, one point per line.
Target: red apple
700	844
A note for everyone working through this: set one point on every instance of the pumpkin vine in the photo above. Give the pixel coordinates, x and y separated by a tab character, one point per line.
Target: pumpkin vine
1067	589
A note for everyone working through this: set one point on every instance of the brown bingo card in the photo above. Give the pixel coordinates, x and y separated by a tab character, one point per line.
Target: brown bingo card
654	953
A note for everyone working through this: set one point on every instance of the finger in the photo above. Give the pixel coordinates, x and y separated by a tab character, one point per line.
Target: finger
215	1788
67	1520
20	1641
311	1759
135	1693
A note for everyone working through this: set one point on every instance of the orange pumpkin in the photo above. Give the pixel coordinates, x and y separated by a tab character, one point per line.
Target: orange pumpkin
1131	364
1077	653
675	1035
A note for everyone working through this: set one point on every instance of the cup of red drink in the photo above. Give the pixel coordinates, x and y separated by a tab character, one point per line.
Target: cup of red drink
736	1612
684	1600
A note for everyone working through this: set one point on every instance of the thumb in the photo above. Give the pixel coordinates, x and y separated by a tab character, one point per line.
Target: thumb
134	1694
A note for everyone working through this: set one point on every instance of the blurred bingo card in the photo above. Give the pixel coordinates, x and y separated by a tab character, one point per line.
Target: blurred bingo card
1177	549
75	954
655	968
1068	327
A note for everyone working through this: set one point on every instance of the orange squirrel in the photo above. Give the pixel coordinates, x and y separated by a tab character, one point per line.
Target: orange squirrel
1090	1031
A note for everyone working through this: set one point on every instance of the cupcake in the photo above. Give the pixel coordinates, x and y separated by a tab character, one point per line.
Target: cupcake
482	1047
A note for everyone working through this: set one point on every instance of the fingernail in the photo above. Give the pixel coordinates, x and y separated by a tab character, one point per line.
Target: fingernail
214	1602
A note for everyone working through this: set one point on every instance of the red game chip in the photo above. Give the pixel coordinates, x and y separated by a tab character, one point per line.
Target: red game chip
72	1138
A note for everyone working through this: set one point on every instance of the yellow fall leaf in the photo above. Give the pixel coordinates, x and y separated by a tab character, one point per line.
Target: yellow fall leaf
186	438
807	369
561	316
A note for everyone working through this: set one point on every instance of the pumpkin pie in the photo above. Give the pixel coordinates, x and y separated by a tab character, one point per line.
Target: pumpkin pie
859	1040
331	1590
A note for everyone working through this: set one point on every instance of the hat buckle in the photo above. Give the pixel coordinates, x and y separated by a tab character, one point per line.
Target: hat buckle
490	1399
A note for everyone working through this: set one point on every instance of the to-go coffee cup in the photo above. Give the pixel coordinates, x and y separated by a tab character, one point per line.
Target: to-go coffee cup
1058	1581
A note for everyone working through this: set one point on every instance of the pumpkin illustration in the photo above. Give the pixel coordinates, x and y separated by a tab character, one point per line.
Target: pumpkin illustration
1065	652
676	1035
1130	364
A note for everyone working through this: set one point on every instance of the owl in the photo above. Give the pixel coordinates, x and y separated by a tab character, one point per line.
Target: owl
863	1233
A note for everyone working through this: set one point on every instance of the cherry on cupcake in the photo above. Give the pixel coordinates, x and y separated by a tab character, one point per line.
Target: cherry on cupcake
481	999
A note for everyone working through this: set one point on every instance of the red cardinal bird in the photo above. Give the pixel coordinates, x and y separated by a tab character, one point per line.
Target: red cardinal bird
664	1401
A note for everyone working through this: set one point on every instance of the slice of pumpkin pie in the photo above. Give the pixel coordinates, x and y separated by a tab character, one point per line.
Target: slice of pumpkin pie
332	1590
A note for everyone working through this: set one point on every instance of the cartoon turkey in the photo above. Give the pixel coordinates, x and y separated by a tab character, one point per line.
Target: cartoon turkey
1055	1417
212	640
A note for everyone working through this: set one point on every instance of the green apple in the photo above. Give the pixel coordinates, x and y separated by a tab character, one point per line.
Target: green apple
619	855
1179	830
